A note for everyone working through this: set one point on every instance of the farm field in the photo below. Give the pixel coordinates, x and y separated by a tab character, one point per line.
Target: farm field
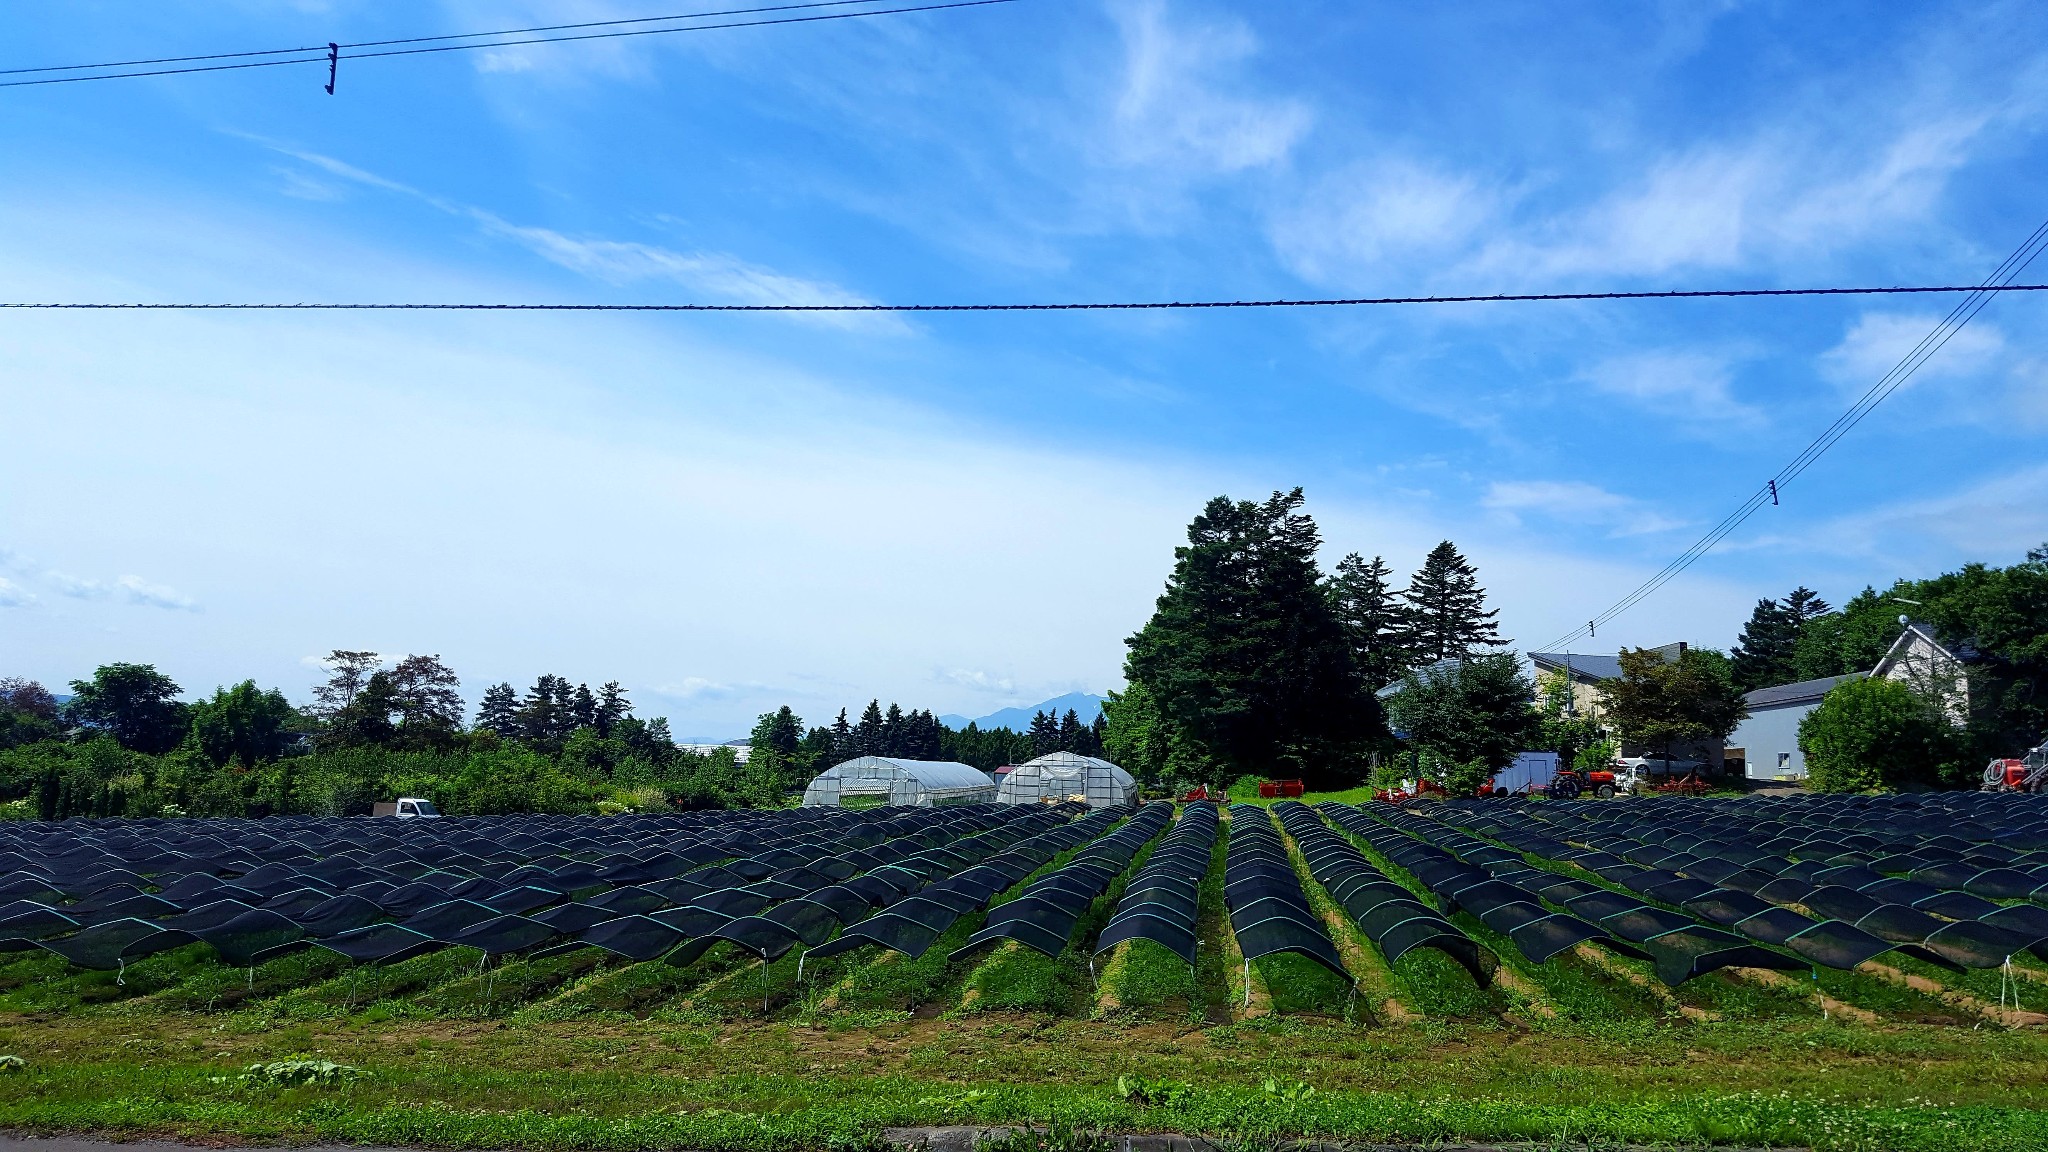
1358	973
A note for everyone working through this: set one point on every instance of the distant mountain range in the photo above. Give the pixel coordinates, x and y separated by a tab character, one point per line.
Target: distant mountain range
1085	705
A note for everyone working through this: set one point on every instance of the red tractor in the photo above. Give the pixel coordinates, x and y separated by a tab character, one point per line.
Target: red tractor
2028	774
1571	783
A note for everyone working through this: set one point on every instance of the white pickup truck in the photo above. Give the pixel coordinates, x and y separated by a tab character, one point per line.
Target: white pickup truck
1637	774
407	808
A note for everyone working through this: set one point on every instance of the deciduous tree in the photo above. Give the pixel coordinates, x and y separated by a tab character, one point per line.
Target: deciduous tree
1474	712
1661	703
134	703
243	725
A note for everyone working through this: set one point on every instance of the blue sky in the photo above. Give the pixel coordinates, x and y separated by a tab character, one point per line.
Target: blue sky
966	512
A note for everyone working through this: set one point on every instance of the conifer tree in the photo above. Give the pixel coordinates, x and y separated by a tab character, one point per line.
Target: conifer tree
1374	617
1245	659
894	730
868	734
1045	733
1446	608
499	711
1767	652
612	707
843	747
583	709
1070	731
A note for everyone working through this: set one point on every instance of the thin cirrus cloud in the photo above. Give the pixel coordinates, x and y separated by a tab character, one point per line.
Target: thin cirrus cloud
1364	215
13	595
978	681
1878	341
126	589
719	277
1696	385
1180	107
1778	194
1575	502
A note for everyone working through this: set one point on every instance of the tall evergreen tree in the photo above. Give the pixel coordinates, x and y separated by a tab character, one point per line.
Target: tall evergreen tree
582	708
776	745
1446	608
1045	733
498	711
921	737
1374	617
545	718
1767	653
1764	654
894	731
843	744
612	707
1095	732
1245	658
868	735
1070	731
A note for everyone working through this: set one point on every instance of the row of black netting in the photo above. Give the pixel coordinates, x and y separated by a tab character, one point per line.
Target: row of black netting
911	925
103	893
1163	900
1387	913
1954	880
1269	912
1045	914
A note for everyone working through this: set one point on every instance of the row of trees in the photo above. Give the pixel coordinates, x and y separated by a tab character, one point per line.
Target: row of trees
796	754
1256	662
126	744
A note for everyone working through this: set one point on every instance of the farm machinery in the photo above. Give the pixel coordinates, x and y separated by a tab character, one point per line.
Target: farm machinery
2026	774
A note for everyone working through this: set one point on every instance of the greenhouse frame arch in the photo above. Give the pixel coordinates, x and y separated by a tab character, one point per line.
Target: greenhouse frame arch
1058	776
893	780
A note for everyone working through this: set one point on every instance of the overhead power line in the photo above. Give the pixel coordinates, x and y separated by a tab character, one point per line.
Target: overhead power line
1772	489
1974	290
329	54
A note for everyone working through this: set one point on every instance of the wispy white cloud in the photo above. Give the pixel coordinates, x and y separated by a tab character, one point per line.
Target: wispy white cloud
1360	217
1995	520
1781	193
716	276
127	589
977	680
13	595
1694	385
1178	108
1879	340
697	688
1575	502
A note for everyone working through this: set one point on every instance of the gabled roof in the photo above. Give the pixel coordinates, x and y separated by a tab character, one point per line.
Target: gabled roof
1426	673
1913	630
1583	666
1786	695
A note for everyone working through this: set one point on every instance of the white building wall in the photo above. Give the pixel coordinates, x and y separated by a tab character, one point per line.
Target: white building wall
1769	738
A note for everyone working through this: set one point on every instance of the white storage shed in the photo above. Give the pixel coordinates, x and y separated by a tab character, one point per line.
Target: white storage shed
893	780
1058	776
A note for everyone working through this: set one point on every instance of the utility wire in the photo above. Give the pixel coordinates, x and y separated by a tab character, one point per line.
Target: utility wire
1974	290
1768	495
339	51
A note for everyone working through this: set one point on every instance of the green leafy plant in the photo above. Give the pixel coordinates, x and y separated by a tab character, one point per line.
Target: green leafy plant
299	1073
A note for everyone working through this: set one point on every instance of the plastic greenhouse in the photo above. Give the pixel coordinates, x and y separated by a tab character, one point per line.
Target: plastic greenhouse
870	780
1058	776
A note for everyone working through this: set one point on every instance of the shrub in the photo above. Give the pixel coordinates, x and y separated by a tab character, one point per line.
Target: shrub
1873	733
